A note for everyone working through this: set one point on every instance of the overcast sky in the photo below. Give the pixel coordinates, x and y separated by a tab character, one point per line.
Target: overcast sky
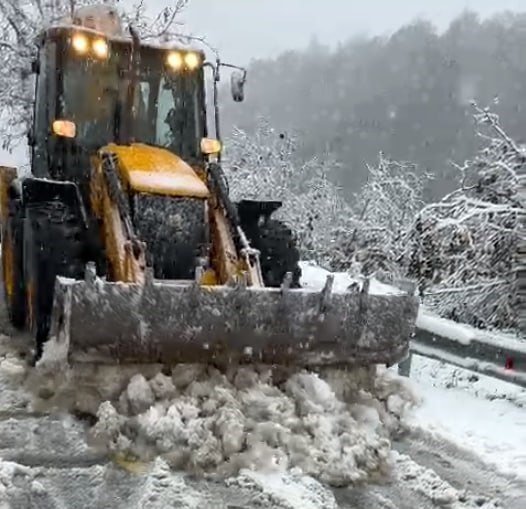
242	29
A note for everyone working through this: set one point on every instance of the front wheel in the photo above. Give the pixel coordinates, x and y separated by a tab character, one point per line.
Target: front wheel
54	245
279	253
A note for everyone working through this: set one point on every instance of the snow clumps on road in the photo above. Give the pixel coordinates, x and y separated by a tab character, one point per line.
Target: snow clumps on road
202	420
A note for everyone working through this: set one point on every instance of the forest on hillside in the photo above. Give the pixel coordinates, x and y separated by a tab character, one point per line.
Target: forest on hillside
462	250
408	95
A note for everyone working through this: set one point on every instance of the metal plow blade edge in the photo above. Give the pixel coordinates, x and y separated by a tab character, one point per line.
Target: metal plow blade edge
168	323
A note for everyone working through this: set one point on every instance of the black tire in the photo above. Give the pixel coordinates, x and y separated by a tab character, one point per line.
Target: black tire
174	230
54	244
12	266
279	253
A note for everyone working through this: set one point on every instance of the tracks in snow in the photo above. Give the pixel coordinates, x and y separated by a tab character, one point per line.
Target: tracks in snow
47	464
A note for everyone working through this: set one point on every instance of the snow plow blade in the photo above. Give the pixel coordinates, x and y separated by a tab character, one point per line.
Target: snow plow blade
169	322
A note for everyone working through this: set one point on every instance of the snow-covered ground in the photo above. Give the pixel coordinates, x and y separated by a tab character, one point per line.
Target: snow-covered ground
303	433
47	462
476	412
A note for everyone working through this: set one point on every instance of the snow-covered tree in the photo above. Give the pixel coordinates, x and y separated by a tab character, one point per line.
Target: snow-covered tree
20	23
463	248
364	238
265	165
385	209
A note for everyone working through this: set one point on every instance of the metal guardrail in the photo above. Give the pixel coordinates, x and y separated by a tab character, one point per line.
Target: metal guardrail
498	356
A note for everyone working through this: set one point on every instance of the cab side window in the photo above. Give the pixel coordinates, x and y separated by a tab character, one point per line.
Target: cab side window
44	108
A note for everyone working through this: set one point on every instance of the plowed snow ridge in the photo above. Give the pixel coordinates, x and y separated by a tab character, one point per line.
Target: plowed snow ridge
200	419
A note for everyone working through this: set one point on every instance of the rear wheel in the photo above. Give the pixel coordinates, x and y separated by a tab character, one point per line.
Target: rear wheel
12	266
279	253
54	245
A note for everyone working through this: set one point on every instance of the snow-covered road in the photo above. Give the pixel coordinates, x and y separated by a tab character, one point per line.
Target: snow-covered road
462	448
50	468
475	412
47	464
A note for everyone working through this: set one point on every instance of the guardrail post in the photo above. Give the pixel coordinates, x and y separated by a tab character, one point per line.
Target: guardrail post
404	367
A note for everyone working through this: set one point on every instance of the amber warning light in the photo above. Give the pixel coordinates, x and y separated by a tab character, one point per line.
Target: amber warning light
64	128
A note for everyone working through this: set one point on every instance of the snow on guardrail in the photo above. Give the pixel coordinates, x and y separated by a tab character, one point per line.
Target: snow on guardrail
495	354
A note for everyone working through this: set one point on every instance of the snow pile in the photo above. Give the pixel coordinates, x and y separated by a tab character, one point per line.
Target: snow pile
314	277
427	482
162	489
12	374
12	368
8	472
202	420
80	388
424	480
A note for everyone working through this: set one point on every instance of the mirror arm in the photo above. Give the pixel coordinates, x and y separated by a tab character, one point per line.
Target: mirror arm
231	66
217	124
217	78
127	131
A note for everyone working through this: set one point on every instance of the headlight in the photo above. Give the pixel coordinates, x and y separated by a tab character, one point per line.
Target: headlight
174	60
80	44
192	61
100	48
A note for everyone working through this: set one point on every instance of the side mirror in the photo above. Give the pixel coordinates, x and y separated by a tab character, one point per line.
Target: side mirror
237	85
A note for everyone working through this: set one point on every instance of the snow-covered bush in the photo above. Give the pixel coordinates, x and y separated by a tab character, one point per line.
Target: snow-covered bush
365	238
462	249
265	166
21	21
385	209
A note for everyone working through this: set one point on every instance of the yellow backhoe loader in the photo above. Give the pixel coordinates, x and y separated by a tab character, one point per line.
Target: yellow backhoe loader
123	245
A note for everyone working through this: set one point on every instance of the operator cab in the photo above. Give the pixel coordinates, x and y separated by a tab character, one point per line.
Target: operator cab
83	96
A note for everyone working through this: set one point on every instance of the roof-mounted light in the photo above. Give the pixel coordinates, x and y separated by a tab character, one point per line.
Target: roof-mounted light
80	43
100	48
192	61
175	60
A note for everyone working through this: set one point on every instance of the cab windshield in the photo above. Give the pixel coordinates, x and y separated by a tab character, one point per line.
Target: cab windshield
168	106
